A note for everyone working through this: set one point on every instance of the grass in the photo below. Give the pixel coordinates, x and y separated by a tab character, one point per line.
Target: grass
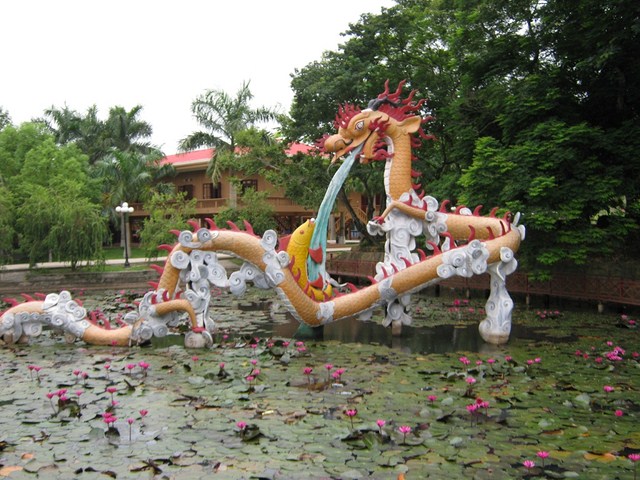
117	252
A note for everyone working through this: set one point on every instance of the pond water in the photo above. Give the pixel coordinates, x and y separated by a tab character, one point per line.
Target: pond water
440	325
565	385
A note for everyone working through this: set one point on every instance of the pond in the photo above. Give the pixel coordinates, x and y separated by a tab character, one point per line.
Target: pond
444	324
271	400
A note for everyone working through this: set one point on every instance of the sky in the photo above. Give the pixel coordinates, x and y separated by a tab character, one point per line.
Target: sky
161	54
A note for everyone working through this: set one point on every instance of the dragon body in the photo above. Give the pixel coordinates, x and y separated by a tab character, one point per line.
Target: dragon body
461	242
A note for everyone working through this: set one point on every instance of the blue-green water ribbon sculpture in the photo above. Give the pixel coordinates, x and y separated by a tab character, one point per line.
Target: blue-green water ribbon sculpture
319	237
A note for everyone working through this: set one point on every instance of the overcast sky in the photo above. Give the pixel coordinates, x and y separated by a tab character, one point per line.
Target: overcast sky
161	54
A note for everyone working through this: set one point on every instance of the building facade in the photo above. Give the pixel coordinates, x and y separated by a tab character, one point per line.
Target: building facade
211	198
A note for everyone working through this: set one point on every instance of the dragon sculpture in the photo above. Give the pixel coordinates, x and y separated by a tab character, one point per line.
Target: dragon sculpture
461	242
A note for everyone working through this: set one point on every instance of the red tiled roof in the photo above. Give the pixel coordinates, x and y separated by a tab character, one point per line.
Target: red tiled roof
298	148
205	154
188	157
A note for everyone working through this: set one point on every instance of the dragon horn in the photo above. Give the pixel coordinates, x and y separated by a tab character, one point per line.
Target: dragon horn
460	207
436	248
165	247
195	225
157	268
491	234
211	223
472	233
352	287
248	227
233	226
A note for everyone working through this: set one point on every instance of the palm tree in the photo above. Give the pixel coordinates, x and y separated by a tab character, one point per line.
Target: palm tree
126	132
63	123
92	138
130	176
223	117
96	138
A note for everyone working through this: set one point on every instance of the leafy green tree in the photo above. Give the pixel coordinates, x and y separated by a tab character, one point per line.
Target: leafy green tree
5	118
302	178
58	214
536	107
7	231
168	211
15	143
223	117
254	208
563	131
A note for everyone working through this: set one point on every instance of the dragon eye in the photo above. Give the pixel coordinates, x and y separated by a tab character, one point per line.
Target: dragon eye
358	126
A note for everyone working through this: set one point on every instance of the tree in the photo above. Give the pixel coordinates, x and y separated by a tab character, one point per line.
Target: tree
122	131
129	176
15	144
223	118
5	118
7	222
168	211
64	123
536	107
564	132
253	208
302	178
58	216
126	132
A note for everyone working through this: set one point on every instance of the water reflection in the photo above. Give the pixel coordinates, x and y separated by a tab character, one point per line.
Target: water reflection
264	316
437	339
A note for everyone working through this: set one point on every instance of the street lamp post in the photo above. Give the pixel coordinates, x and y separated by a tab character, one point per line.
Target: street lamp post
124	210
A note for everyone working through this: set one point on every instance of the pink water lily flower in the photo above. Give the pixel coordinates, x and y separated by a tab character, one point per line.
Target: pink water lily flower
404	430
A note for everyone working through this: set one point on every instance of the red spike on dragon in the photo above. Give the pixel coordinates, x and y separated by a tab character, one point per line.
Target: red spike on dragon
461	242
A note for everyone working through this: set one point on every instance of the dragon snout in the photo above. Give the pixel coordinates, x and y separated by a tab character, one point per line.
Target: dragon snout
335	143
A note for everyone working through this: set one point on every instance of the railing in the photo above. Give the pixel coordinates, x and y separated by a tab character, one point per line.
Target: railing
601	288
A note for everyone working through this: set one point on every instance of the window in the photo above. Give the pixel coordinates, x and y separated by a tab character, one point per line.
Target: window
249	184
188	190
208	190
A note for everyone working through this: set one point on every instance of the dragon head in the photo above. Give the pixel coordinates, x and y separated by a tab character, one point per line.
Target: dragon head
386	117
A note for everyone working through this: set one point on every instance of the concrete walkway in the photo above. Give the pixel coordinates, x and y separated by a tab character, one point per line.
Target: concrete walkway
51	265
51	276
